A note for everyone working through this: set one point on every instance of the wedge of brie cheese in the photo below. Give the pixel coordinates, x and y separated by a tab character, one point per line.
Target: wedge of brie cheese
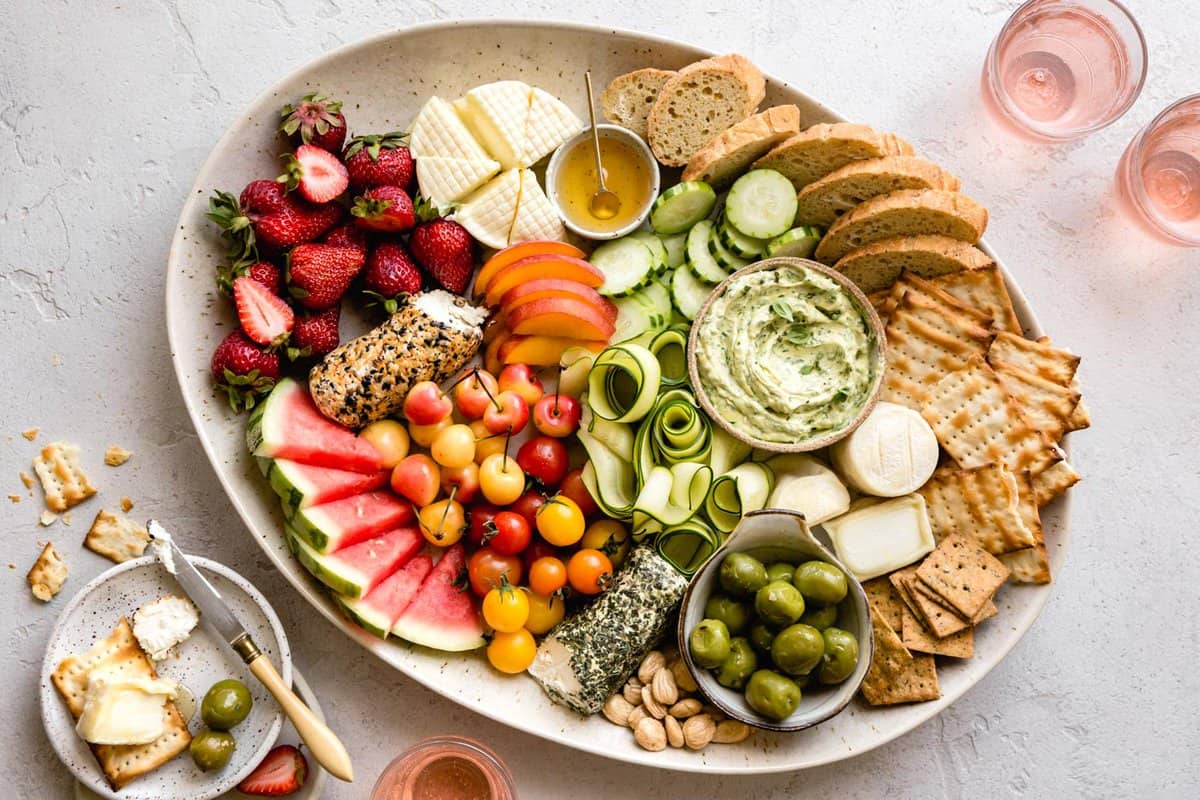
488	213
536	218
121	709
804	484
892	453
882	537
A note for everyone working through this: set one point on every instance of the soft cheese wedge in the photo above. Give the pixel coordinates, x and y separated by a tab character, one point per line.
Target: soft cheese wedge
548	124
880	538
488	214
438	132
496	114
447	180
804	484
536	218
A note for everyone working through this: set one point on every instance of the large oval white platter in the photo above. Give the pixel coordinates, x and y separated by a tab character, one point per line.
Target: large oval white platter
384	81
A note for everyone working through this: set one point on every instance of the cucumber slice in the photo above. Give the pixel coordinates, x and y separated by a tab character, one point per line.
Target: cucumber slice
656	246
796	243
635	317
627	263
739	243
657	298
682	206
721	254
699	260
688	292
761	203
676	249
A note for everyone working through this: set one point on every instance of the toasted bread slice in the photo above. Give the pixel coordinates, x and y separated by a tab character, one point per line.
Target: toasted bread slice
878	265
704	100
726	157
823	201
817	151
908	212
628	98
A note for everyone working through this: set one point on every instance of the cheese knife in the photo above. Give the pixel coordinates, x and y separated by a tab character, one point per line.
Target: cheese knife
323	743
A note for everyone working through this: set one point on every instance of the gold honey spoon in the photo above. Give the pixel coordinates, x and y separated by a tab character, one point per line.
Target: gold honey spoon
603	203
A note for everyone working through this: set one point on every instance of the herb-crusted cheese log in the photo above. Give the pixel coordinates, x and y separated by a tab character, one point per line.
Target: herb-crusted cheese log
429	338
588	656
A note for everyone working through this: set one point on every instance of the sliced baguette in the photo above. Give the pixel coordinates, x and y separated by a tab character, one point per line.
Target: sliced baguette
628	98
823	201
909	212
878	265
817	151
704	100
726	157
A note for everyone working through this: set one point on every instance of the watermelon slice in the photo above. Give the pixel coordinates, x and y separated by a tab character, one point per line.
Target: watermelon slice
356	570
289	425
442	616
331	526
303	485
384	604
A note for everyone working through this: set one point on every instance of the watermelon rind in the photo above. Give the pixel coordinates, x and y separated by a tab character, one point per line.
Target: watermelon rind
369	619
287	424
344	578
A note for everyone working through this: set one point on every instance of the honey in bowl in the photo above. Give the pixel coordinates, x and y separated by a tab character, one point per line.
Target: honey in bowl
626	174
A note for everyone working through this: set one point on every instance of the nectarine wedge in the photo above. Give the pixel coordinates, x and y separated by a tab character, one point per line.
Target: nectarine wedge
491	355
535	267
561	317
541	351
549	288
516	252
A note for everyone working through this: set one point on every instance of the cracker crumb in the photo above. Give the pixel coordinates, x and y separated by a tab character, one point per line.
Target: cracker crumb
55	360
126	505
25	479
30	434
16	498
116	455
47	518
12	566
47	575
66	519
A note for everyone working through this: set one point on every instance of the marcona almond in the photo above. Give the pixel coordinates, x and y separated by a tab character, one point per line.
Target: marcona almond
730	732
683	678
617	710
652	706
633	691
687	707
698	731
674	732
651	735
663	687
652	663
637	715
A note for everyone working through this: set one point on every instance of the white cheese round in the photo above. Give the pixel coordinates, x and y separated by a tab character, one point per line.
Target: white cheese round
892	453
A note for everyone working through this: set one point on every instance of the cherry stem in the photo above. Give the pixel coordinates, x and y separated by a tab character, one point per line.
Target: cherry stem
507	439
445	512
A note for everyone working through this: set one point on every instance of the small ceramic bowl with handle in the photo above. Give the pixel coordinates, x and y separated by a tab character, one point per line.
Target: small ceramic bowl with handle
774	535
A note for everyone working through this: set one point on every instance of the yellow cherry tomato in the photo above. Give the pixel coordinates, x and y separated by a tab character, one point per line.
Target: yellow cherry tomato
610	537
545	611
425	434
390	438
486	442
502	481
512	652
443	522
560	522
454	446
506	608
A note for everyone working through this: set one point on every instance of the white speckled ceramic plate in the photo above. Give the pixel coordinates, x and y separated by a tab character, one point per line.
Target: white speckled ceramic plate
198	663
453	56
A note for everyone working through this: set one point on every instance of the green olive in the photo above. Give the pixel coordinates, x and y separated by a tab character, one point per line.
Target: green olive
761	637
735	615
739	665
841	656
742	575
820	617
772	695
780	571
211	749
225	704
797	649
779	604
820	582
709	643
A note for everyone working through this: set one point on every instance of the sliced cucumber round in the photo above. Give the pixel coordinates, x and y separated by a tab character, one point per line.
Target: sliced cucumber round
761	203
635	316
661	257
738	243
717	249
699	260
797	243
627	263
682	206
676	249
688	292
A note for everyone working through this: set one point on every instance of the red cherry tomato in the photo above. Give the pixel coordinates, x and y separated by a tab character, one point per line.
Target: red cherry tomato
486	567
544	458
527	505
539	549
513	534
481	514
572	487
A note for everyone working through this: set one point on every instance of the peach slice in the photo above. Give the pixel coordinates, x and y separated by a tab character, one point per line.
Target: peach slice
516	252
491	355
541	351
544	288
561	317
535	267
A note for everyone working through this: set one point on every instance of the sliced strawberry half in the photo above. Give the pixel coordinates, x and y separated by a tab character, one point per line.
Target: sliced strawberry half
264	316
282	772
316	173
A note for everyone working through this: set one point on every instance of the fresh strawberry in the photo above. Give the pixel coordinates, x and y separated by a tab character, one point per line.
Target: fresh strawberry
264	272
263	197
243	370
262	314
282	772
391	272
315	334
315	120
316	173
443	248
319	274
298	224
266	214
379	160
384	208
348	235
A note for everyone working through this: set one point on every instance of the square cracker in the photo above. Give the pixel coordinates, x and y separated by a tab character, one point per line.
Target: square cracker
984	289
934	615
917	639
47	575
885	600
881	302
116	537
121	763
1046	404
923	593
62	476
911	282
896	675
1037	356
963	574
1030	565
981	503
1049	483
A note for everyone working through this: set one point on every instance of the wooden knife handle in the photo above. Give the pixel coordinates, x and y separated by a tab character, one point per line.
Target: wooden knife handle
323	743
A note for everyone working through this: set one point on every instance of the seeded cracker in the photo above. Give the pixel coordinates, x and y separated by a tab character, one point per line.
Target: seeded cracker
982	504
963	574
885	600
918	639
933	615
923	593
896	675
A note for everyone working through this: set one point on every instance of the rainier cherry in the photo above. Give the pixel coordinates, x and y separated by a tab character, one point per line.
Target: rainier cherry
425	404
475	392
521	378
508	414
417	478
557	415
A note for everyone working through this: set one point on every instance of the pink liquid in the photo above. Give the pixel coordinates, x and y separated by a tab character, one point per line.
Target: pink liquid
1062	69
1158	180
445	768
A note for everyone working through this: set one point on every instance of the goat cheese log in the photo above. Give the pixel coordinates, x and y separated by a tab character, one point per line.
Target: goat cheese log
430	337
587	657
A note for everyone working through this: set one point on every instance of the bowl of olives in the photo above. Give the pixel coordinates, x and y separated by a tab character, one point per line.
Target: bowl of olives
774	630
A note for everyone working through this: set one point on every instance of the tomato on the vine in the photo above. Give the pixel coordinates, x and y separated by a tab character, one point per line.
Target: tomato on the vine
547	575
544	459
512	652
589	571
560	522
506	608
511	534
545	611
610	537
487	569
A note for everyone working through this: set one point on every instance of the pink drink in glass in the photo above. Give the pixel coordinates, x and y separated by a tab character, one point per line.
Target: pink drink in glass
1061	69
1158	179
446	768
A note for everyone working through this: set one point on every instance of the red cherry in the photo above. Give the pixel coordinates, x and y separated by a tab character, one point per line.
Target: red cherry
510	412
426	405
521	378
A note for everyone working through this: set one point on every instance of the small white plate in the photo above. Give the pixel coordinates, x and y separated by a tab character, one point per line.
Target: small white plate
199	662
315	782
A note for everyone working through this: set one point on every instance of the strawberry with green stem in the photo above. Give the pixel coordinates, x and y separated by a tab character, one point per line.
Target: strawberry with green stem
267	215
385	209
315	334
442	247
263	315
315	120
243	370
319	274
390	274
379	160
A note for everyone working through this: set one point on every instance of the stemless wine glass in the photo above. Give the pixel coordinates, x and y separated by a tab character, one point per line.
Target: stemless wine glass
1061	69
446	768
1158	179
